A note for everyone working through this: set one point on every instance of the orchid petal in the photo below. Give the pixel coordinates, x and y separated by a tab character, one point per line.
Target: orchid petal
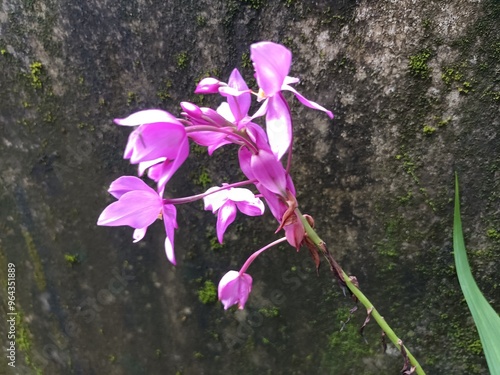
253	208
279	125
155	171
125	184
215	146
269	172
226	215
290	80
137	209
157	140
169	168
225	111
240	195
214	201
230	91
242	124
289	185
239	104
307	102
208	138
274	202
139	234
169	251
245	158
148	116
262	110
246	201
170	223
257	135
272	63
131	142
148	164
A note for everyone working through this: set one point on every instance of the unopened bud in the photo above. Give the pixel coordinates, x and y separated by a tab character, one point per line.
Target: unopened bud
208	86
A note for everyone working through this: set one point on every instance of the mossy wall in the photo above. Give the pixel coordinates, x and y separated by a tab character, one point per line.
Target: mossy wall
415	87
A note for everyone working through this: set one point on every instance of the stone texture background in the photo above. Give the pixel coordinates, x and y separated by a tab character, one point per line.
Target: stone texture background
415	86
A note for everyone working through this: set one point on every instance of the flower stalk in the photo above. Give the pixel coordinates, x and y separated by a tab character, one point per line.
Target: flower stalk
252	257
197	197
372	311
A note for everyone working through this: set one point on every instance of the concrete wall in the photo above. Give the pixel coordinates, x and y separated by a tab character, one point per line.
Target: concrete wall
415	86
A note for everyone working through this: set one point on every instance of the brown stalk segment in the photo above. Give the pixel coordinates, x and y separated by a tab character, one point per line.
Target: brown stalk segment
407	368
367	320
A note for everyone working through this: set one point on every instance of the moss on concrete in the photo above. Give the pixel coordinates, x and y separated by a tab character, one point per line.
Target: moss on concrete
207	293
418	66
35	74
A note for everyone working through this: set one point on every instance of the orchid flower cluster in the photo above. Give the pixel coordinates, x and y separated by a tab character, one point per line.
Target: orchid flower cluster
159	145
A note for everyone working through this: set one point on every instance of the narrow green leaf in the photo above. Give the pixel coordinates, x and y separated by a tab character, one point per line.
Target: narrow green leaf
486	319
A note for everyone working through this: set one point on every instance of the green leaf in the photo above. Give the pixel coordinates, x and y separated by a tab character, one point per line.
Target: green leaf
486	319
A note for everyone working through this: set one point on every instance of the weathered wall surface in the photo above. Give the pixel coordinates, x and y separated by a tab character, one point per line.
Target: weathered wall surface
415	87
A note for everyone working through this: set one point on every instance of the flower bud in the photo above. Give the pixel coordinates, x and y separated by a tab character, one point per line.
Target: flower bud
234	288
208	86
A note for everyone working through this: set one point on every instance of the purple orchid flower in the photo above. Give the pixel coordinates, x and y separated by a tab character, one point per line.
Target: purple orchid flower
275	185
209	128
229	117
234	288
263	165
236	90
160	141
226	202
272	64
138	206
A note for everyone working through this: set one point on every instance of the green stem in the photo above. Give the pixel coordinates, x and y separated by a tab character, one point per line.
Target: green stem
372	311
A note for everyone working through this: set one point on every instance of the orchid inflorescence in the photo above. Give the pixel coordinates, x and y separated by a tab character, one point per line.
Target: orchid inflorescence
160	145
